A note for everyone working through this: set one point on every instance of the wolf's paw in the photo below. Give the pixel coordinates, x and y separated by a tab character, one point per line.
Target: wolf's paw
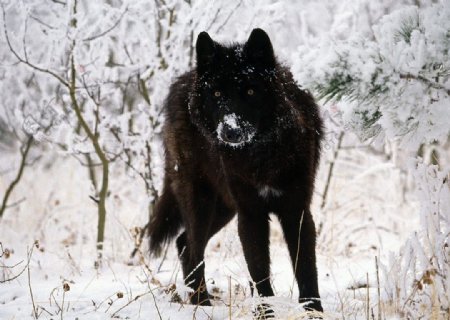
313	307
311	304
263	312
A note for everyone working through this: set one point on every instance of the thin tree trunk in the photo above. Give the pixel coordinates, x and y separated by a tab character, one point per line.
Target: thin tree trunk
103	159
18	176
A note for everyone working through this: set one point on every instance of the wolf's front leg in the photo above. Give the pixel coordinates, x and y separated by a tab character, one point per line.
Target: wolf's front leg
300	234
254	234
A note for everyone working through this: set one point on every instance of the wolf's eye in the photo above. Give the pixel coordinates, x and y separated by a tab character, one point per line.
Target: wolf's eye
250	92
217	94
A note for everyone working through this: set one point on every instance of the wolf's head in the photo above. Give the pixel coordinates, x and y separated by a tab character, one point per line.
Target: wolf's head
234	98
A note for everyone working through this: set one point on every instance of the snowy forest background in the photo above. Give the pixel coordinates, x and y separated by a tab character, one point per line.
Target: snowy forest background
82	84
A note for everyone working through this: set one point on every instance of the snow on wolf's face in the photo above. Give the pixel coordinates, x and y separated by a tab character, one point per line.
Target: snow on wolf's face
235	132
234	100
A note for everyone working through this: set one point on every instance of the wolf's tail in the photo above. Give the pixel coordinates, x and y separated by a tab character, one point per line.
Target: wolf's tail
165	222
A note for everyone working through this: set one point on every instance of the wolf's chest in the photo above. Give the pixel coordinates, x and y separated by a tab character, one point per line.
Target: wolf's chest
267	192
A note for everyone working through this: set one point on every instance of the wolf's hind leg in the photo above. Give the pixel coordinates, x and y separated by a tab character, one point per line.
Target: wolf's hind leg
191	246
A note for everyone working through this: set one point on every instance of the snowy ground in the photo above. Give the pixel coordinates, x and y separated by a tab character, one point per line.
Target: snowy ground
367	215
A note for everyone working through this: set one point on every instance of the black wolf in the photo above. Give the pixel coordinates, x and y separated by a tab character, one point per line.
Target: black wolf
241	138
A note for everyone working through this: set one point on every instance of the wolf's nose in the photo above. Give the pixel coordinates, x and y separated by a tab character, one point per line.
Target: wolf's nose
232	134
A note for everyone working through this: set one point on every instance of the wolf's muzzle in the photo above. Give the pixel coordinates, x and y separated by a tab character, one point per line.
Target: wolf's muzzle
232	134
235	132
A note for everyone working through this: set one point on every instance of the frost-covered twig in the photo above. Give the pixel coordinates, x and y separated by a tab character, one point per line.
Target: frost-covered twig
330	170
101	34
367	297
229	296
378	288
163	259
52	295
66	288
156	305
25	60
417	279
232	11
114	314
59	2
138	237
4	252
300	224
30	252
17	275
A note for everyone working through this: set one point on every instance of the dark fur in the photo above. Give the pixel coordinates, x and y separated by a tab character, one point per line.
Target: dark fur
207	181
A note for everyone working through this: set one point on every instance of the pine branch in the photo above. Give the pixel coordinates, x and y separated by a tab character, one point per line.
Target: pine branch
336	88
408	26
432	84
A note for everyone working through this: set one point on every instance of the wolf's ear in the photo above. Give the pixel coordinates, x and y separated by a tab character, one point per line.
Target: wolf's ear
205	48
259	48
